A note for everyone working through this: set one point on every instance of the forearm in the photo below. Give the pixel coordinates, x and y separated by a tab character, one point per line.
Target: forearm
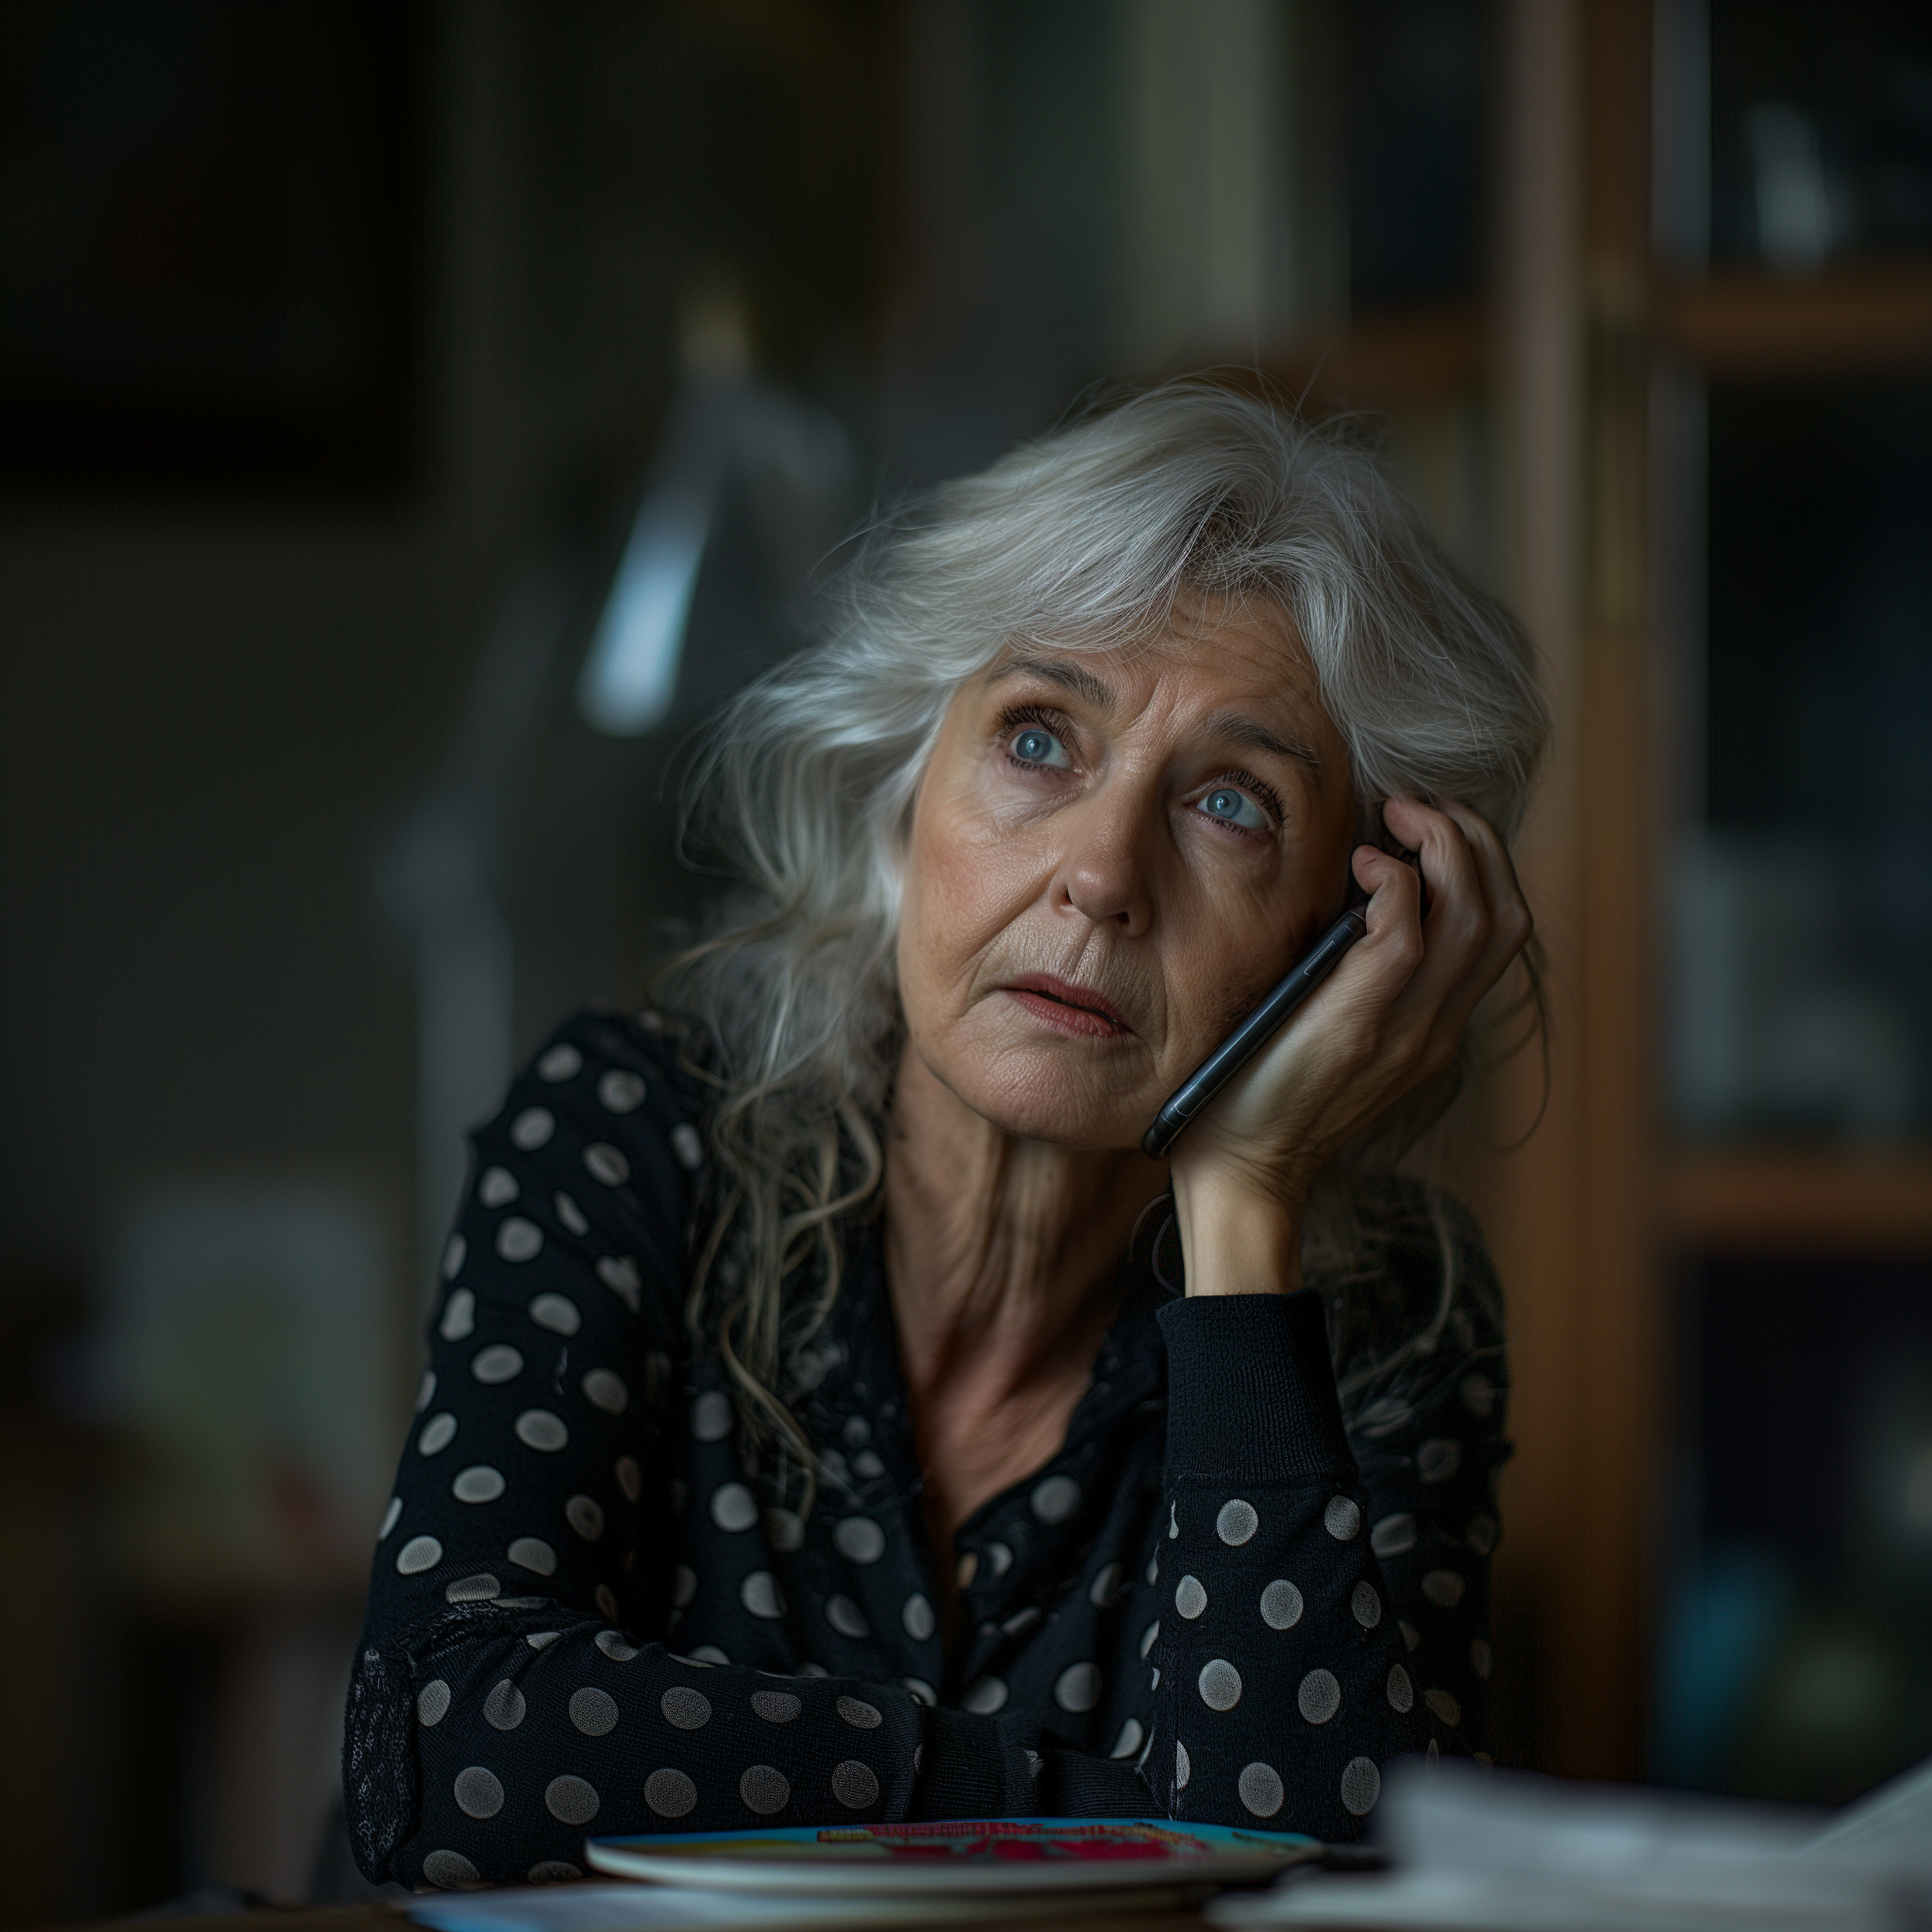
1237	1238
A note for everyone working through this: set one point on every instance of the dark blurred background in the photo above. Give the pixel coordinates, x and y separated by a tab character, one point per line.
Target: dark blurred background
414	418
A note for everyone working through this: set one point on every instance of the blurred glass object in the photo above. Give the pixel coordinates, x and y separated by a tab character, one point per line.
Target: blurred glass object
799	466
1820	124
247	1341
1797	222
1801	945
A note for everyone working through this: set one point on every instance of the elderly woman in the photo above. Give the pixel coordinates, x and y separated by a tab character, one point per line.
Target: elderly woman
832	1414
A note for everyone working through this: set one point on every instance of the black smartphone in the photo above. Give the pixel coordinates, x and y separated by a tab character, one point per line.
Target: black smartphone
1254	1033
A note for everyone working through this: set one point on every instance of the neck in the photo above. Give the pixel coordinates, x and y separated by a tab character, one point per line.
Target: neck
1001	1253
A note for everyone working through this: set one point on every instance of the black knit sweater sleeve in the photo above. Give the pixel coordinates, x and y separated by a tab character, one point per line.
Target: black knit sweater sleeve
1280	1686
511	1693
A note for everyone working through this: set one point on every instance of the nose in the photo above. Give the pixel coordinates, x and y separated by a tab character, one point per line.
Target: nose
1106	867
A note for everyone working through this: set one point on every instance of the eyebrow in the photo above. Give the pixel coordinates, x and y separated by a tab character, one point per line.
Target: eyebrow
1069	676
1233	726
1249	731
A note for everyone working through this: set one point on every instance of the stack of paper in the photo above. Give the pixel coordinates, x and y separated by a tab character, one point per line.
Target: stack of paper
1504	1852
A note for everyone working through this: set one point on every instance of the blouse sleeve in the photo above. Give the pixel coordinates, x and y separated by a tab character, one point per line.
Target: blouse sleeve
1428	1430
508	1697
1281	1689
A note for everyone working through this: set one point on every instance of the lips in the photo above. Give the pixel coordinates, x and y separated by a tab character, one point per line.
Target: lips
1068	1008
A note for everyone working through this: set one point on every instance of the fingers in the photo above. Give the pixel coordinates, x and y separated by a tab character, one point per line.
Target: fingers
1477	922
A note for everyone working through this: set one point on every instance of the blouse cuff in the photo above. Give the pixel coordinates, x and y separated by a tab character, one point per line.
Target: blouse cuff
1251	1391
975	1767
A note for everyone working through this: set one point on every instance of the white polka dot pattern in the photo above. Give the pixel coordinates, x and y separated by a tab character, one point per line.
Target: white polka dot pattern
1056	1499
518	1240
478	1793
670	1793
536	1428
985	1696
607	1163
710	1416
593	1711
1236	1523
845	1617
556	1312
579	1465
1281	1604
1318	1697
733	1507
1260	1790
760	1595
621	1091
1078	1688
561	1062
1362	1785
497	1187
859	1540
604	1388
505	1707
498	1363
1394	1536
572	1800
450	1868
1220	1684
1342	1519
479	1483
419	1554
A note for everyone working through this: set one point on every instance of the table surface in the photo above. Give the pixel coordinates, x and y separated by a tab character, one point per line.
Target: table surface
389	1916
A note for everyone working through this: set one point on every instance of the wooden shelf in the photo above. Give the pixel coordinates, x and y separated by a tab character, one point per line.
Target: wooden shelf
1785	1202
1749	324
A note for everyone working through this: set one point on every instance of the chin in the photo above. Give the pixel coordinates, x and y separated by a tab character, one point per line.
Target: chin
1037	1095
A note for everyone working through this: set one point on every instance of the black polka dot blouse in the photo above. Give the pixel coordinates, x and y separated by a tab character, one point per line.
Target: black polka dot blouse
1232	1595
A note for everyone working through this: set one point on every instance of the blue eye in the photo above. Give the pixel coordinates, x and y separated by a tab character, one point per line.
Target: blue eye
1037	746
1235	808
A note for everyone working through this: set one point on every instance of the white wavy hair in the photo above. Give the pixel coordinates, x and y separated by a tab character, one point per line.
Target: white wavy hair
1082	541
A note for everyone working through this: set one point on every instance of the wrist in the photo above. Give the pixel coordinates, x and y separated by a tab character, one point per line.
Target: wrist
1237	1240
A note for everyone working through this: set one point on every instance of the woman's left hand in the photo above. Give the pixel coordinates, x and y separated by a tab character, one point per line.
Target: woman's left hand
1390	1017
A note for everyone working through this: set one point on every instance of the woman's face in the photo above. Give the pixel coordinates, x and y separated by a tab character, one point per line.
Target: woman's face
1112	857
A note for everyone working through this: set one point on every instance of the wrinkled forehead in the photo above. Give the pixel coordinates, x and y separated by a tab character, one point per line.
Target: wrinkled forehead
1248	645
